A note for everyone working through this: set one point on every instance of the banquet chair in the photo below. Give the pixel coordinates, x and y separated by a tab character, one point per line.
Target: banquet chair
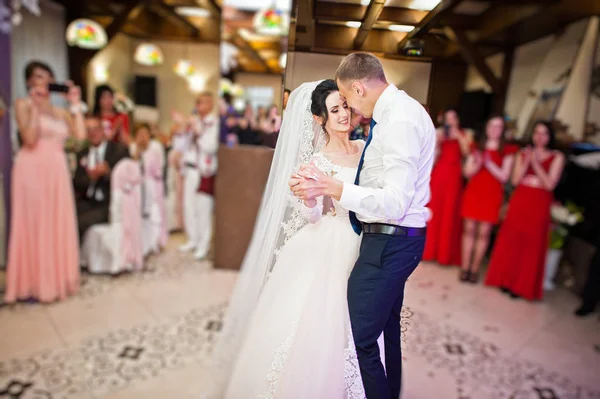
117	246
155	229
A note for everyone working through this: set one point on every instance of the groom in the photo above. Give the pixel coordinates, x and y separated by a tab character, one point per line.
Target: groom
387	203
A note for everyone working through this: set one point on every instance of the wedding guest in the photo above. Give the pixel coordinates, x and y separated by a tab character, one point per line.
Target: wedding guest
519	255
286	97
92	180
200	168
150	152
43	255
444	228
488	168
181	138
115	124
270	127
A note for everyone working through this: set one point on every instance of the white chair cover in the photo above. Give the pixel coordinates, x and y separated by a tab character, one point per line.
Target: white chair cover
117	246
155	233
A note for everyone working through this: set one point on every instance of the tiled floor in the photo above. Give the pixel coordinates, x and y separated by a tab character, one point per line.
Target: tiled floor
147	335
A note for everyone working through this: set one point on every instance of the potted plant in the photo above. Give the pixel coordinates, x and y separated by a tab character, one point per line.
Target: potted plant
563	217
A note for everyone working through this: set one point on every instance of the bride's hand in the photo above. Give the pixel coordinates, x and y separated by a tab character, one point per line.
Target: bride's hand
310	203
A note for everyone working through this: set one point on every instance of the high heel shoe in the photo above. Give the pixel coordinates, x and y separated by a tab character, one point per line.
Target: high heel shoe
464	275
474	278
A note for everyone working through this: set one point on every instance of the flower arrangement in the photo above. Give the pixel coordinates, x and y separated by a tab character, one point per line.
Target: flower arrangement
563	217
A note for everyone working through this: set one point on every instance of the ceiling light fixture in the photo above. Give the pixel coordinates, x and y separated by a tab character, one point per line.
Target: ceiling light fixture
353	24
401	28
424	5
193	12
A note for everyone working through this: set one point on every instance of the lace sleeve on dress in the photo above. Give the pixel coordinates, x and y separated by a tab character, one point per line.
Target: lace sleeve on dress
313	215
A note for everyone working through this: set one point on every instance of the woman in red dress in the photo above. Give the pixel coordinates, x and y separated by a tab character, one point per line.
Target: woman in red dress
444	228
488	169
519	256
116	124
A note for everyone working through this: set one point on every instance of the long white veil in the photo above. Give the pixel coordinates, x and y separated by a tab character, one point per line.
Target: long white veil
279	218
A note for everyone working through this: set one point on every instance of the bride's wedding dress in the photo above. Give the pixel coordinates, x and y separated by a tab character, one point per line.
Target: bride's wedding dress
298	344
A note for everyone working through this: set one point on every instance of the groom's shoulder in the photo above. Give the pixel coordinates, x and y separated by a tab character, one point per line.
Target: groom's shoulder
404	105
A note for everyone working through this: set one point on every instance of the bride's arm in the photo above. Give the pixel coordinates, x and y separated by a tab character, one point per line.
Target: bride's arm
313	210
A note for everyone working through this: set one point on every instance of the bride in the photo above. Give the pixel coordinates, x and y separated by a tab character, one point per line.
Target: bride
290	337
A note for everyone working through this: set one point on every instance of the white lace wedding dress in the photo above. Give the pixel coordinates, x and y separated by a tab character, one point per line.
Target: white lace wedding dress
299	344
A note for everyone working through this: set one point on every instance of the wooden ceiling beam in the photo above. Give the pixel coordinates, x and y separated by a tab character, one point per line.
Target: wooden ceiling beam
351	12
214	8
500	18
246	48
372	14
430	21
169	13
473	57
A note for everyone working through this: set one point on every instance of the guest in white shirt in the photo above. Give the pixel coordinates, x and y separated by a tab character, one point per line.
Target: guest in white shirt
388	203
92	176
200	168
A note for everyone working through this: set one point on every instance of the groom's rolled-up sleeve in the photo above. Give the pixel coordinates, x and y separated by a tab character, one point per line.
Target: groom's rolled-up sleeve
401	151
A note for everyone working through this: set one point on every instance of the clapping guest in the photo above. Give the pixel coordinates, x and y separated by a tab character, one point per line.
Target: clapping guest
43	255
444	229
518	260
200	168
92	180
270	126
150	152
115	124
488	168
246	129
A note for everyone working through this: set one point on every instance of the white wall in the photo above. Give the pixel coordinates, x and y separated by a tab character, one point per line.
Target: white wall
557	62
536	67
410	76
573	107
42	39
173	92
39	38
265	80
117	59
526	63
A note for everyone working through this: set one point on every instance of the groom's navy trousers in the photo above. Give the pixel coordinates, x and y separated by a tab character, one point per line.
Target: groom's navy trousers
375	296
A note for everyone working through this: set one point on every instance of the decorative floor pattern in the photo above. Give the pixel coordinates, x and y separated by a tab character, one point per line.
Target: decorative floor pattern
459	342
475	362
105	364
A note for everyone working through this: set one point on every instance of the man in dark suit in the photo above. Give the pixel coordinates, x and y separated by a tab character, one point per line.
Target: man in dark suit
92	177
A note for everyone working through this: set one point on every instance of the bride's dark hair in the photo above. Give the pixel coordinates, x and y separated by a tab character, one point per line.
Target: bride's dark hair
318	98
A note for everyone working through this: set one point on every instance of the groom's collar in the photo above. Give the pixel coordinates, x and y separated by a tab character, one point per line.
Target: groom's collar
382	102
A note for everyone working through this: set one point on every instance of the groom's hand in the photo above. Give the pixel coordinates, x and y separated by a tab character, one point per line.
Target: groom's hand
314	183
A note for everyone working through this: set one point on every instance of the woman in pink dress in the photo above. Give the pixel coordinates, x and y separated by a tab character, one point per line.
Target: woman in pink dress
43	255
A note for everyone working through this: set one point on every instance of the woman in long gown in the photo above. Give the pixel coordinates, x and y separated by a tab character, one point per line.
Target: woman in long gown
444	229
519	256
43	256
488	169
298	342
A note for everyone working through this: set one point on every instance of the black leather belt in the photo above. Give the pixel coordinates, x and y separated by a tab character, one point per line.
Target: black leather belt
391	230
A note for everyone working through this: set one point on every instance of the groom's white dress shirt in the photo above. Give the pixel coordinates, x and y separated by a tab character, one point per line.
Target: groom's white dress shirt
394	181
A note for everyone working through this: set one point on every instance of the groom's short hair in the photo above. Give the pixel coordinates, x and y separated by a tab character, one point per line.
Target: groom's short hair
359	66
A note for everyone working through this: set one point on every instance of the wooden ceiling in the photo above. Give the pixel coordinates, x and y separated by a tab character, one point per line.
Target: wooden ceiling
256	53
488	26
159	20
150	19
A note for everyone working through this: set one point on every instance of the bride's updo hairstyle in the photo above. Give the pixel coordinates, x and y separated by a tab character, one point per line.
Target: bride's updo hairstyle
319	96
